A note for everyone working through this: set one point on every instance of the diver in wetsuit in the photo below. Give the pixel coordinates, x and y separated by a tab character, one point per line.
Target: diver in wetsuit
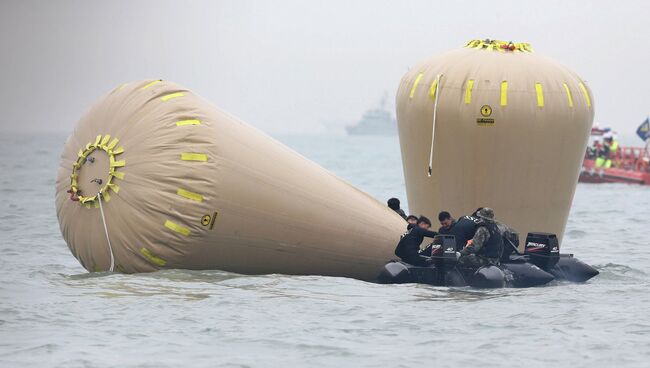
412	221
409	245
486	245
463	230
446	222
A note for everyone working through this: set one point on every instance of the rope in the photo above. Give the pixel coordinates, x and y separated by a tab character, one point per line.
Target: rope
110	248
433	123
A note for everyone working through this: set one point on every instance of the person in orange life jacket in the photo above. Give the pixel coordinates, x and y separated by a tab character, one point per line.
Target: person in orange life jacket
409	245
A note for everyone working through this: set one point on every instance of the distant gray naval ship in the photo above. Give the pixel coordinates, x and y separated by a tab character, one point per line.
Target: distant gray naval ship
377	121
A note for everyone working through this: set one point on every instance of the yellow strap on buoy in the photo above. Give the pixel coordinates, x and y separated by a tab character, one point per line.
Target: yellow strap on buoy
151	84
568	94
188	122
584	91
189	195
469	86
102	142
504	93
540	94
172	95
151	258
415	85
177	228
190	156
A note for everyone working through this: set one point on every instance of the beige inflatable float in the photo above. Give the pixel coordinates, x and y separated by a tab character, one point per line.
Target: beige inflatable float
494	124
154	177
182	184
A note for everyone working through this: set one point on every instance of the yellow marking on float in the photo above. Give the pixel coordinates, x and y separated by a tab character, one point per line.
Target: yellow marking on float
114	163
189	195
415	85
189	156
469	86
177	228
151	84
118	174
151	258
434	87
172	95
113	143
105	140
584	91
540	94
504	93
568	94
188	122
114	187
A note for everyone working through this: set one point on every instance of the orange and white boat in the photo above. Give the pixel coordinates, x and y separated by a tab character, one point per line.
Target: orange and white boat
602	164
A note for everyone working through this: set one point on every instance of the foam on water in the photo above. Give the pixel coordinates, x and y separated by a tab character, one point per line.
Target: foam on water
53	313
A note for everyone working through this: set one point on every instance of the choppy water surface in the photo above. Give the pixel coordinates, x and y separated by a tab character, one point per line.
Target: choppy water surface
53	313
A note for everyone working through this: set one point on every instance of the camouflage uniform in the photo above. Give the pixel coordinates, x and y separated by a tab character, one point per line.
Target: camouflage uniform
510	239
468	254
469	258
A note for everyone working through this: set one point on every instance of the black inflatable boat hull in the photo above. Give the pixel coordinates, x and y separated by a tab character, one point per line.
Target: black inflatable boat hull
518	275
569	268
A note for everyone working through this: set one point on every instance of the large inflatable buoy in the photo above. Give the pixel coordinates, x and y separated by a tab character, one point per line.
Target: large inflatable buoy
494	124
154	177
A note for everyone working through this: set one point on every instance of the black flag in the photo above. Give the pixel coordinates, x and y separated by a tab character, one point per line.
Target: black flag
643	131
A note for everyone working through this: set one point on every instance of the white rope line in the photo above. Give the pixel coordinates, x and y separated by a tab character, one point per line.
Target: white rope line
433	123
110	248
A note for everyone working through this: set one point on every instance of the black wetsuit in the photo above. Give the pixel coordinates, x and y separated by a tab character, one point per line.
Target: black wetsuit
409	245
464	230
447	230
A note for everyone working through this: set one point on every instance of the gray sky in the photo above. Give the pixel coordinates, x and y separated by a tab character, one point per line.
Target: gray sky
293	66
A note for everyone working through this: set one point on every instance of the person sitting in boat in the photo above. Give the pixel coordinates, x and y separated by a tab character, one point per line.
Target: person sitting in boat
613	149
409	245
603	155
463	229
510	239
607	151
446	222
394	205
412	221
592	151
486	245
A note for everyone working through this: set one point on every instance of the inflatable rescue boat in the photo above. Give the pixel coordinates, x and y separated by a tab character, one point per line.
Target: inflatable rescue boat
540	264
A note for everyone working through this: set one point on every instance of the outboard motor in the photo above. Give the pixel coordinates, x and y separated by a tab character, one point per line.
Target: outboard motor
443	252
543	249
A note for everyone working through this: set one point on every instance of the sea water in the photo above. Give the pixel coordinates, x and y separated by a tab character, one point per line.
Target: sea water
55	314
